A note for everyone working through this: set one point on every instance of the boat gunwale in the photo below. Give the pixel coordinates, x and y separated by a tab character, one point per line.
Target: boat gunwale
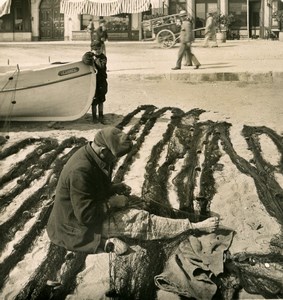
44	84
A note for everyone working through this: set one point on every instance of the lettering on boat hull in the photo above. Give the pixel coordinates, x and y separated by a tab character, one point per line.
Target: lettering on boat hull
68	71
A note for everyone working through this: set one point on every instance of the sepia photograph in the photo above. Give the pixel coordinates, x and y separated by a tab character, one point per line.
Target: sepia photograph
141	149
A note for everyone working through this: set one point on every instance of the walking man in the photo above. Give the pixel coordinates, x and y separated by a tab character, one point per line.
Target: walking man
186	38
210	31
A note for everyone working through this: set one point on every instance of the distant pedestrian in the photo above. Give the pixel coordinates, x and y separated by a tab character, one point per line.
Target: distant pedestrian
99	60
186	39
90	29
102	35
210	31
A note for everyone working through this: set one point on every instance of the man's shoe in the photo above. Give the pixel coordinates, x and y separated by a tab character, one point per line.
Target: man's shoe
176	68
196	67
101	120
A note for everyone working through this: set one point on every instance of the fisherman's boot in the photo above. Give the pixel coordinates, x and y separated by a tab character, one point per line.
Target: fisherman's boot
94	115
101	118
100	114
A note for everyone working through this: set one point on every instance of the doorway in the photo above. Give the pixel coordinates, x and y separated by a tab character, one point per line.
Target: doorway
51	21
256	27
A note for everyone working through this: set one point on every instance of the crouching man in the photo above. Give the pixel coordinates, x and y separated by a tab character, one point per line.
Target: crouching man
85	193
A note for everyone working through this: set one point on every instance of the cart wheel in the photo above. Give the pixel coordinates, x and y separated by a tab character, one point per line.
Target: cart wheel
166	38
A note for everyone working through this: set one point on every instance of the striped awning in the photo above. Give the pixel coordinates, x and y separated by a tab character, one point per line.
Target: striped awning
5	7
106	7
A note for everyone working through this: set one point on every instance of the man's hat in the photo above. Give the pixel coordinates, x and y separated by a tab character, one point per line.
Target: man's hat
95	45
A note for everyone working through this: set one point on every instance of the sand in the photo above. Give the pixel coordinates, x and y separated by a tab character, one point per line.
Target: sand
236	200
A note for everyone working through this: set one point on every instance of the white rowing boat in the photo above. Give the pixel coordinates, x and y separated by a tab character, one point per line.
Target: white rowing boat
58	92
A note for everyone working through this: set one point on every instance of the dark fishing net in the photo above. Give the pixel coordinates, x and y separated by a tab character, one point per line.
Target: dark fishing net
190	148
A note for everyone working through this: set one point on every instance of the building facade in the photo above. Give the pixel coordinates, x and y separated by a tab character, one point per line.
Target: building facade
43	20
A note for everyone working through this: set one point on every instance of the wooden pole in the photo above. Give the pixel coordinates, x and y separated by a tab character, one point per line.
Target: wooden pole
248	19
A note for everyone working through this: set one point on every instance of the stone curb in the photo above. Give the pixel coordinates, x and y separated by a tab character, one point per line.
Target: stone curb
248	77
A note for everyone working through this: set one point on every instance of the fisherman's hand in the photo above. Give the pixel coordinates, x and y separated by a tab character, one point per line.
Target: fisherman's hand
118	201
121	189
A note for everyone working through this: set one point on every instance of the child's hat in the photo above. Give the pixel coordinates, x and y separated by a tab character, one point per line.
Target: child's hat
95	45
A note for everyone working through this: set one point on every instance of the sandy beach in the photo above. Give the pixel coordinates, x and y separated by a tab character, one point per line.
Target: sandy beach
241	125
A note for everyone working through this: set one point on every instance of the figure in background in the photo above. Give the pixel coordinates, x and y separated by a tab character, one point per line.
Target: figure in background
210	31
85	196
99	60
186	39
102	35
187	59
90	29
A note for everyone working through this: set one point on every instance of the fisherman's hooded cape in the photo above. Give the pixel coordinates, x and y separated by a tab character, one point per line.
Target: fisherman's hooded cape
115	140
84	186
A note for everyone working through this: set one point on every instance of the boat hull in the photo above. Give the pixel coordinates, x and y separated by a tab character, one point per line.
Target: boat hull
62	92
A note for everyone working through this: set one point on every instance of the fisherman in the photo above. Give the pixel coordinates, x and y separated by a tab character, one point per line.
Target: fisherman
85	195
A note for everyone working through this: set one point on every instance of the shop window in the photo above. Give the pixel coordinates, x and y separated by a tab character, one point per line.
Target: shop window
202	8
175	6
239	10
6	23
118	23
85	21
212	7
18	19
200	18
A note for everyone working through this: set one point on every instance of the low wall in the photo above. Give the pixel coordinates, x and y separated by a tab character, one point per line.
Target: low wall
80	35
15	36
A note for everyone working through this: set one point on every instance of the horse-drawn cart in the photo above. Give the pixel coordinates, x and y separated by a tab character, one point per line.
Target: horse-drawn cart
165	29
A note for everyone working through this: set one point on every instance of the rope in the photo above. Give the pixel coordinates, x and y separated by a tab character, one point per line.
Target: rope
111	293
7	121
169	208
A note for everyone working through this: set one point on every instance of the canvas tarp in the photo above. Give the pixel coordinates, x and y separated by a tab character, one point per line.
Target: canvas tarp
106	7
5	7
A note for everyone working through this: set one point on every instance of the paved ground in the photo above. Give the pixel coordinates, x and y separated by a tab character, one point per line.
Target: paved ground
244	60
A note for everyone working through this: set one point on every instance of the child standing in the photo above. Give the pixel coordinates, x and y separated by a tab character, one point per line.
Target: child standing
99	60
